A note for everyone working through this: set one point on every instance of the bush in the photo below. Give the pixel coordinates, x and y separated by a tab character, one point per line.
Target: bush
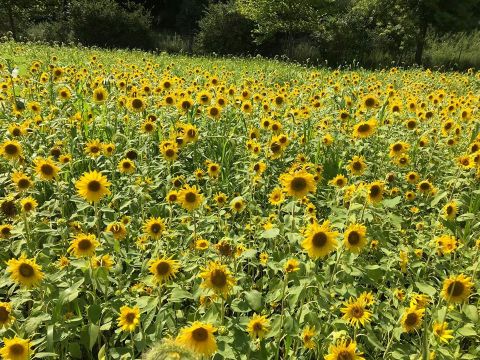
105	23
50	32
173	44
224	30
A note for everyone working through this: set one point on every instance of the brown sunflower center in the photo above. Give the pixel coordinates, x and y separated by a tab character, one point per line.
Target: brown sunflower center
126	165
4	314
200	334
16	350
319	239
397	147
299	184
155	228
456	288
11	149
163	268
99	96
84	244
8	208
130	318
357	312
363	128
369	102
357	165
5	231
257	326
275	147
94	186
411	319
353	238
424	186
26	270
344	355
190	197
46	169
374	190
218	278
137	103
214	111
449	209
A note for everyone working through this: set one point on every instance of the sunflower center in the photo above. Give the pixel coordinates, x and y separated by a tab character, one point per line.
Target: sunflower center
449	210
397	147
353	238
130	318
126	165
190	197
357	166
5	231
8	208
214	111
137	103
84	244
11	149
319	239
4	314
170	152
411	319
94	185
275	147
357	312
16	350
155	228
456	288
425	186
28	206
148	127
369	102
99	96
257	326
238	205
200	334
47	169
363	128
163	268
218	278
374	190
344	355
26	270
299	184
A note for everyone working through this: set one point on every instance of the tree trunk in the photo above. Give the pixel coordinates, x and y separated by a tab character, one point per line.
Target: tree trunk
11	20
421	43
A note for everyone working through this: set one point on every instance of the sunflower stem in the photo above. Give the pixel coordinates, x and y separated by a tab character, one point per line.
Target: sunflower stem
282	316
27	229
97	218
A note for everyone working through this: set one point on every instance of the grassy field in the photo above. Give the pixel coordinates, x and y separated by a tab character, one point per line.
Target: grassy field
169	207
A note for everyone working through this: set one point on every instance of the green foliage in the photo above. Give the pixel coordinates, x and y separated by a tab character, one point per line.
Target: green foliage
225	31
105	23
460	50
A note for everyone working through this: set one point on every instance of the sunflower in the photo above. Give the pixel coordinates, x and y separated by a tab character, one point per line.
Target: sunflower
238	204
22	181
28	204
190	133
370	101
118	230
319	240
217	278
343	350
129	318
108	149
164	269
105	261
258	326
148	126
126	166
16	349
84	245
354	238
213	170
137	104
457	288
172	196
169	151
190	198
412	177
214	112
11	149
276	197
100	95
446	244
6	317
25	272
184	104
5	231
355	312
398	148
375	192
425	187
201	244
154	227
339	181
412	318
93	148
308	333
298	184
199	337
450	210
357	165
440	330
93	186
46	169
364	129
291	265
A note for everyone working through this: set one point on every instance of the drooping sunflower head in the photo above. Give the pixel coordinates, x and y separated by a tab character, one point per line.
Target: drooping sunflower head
258	326
93	186
164	269
218	278
6	317
25	271
199	338
457	288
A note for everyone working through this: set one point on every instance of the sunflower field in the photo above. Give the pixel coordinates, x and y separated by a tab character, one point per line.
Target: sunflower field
169	207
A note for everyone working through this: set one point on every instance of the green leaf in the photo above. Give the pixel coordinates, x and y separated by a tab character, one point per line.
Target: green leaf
178	295
438	197
391	203
101	353
467	330
254	299
42	355
93	331
425	288
270	233
372	339
472	312
74	350
94	313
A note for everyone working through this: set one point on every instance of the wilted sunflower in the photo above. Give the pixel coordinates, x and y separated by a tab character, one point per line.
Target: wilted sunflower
46	169
16	349
129	318
154	227
457	288
355	312
118	230
218	278
93	186
199	337
319	240
258	326
6	317
412	318
11	150
25	271
164	269
343	350
84	245
355	237
190	198
298	184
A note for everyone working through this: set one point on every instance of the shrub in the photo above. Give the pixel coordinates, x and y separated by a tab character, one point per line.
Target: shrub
50	32
105	23
225	31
